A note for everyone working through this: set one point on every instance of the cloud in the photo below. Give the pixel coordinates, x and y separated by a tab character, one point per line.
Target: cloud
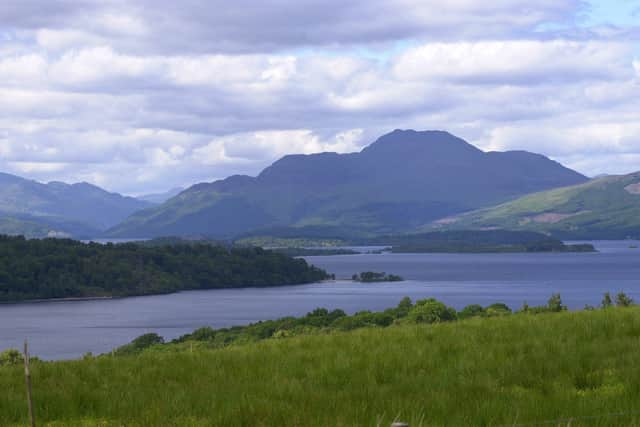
140	96
164	26
521	62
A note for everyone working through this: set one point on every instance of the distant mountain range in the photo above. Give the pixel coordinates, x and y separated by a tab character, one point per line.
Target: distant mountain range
36	209
159	198
603	208
402	181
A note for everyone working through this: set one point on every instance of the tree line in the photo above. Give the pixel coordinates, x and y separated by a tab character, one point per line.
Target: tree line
63	268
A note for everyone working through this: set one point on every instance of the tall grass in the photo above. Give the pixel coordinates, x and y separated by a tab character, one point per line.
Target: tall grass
483	371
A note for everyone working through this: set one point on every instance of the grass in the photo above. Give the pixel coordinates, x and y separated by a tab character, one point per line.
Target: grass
509	370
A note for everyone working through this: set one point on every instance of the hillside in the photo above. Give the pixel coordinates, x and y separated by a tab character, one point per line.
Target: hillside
402	180
511	370
33	208
603	208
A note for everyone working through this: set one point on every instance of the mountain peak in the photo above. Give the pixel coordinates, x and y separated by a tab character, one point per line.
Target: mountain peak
404	179
432	143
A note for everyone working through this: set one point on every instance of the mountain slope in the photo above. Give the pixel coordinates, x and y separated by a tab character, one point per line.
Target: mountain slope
69	208
402	180
159	198
605	208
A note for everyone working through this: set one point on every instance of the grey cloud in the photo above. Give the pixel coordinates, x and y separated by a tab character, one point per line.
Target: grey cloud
198	26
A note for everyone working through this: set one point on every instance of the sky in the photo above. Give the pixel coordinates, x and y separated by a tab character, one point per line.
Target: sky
141	96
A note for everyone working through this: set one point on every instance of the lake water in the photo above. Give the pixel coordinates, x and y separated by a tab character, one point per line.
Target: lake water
62	330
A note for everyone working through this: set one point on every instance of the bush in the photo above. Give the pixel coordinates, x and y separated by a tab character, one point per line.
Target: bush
497	309
11	357
472	310
403	308
141	343
431	311
622	300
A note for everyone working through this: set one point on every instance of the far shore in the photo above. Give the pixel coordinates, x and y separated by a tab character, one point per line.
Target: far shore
67	299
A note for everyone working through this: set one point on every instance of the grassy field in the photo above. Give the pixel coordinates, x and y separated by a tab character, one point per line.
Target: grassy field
513	370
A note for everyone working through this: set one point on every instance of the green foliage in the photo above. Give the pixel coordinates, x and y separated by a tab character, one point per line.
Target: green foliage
555	303
497	309
59	268
141	343
372	277
431	311
606	300
622	300
473	310
11	357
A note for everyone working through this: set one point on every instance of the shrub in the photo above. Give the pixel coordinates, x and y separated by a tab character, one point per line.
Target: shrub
141	343
472	310
497	309
431	311
10	357
622	300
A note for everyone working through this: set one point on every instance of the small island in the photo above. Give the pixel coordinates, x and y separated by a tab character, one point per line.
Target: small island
373	277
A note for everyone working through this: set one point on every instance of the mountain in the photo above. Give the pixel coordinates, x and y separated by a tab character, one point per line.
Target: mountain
29	207
159	198
402	180
603	208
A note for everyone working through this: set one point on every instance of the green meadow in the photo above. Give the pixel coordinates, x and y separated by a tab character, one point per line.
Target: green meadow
569	368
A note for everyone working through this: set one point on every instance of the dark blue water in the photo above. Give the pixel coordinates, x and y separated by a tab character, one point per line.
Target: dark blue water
60	330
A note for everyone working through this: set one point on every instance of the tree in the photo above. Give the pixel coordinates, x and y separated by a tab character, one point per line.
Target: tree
622	300
555	303
404	306
606	300
10	357
431	311
472	310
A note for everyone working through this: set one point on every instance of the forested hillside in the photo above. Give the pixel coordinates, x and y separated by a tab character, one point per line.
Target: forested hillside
55	268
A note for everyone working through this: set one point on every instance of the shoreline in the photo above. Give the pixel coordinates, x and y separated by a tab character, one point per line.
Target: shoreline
66	299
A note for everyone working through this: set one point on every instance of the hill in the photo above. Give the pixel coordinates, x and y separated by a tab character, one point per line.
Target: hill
402	180
34	208
603	208
507	370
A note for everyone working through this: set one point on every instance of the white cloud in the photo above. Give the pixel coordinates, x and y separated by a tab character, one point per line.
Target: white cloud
523	62
258	146
141	96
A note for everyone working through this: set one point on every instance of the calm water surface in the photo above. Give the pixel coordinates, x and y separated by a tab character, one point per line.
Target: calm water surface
61	330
